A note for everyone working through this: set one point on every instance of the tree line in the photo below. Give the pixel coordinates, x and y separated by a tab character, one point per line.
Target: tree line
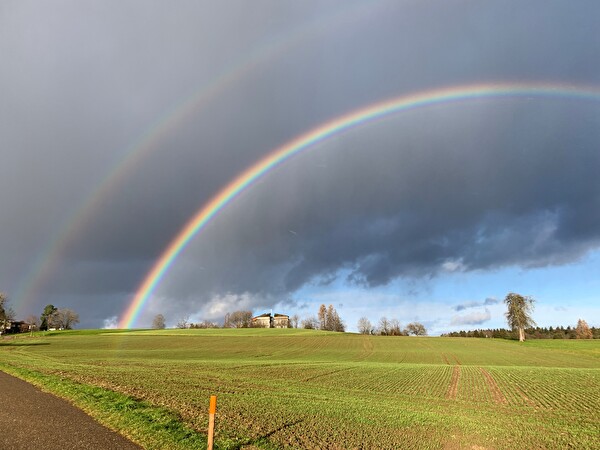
51	318
581	331
390	327
522	325
58	318
327	319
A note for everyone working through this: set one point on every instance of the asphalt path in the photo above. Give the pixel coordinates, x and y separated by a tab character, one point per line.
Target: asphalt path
30	418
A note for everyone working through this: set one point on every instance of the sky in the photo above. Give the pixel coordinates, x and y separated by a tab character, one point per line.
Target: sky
120	119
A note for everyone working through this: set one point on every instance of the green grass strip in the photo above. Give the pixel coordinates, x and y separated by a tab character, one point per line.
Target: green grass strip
149	426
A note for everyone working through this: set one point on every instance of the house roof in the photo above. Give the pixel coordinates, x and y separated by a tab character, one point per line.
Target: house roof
265	315
268	315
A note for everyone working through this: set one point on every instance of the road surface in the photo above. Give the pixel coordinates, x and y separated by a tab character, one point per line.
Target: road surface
30	418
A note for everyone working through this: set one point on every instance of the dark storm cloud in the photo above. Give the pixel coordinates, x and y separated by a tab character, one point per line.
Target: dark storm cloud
451	188
490	190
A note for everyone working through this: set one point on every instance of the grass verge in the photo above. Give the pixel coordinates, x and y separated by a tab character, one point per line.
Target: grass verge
149	426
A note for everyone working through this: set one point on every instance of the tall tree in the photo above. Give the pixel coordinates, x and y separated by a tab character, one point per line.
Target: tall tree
6	313
48	311
364	326
159	322
583	330
384	326
395	328
295	320
322	315
333	322
63	319
518	314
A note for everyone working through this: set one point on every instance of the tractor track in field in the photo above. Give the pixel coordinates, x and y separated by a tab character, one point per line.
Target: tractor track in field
524	397
497	394
367	347
453	389
321	375
456	359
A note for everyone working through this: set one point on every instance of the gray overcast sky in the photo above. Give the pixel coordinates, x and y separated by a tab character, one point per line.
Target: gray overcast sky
471	187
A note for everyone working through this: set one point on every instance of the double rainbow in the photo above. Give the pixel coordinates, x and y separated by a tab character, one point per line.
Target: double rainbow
322	133
257	58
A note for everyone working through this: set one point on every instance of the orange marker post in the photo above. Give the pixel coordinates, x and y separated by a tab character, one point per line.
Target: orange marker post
211	421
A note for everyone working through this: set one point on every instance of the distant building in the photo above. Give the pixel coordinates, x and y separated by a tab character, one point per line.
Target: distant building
15	326
281	321
262	321
268	320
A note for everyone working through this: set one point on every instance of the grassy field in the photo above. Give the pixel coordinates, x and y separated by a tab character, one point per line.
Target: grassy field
310	389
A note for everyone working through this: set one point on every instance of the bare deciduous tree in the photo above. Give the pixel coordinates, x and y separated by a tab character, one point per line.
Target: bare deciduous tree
310	323
322	317
518	315
416	328
333	322
63	319
364	326
295	321
33	321
238	319
184	322
395	329
159	322
383	328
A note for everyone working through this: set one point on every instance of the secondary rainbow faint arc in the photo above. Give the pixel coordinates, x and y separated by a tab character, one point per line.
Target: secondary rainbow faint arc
320	134
43	266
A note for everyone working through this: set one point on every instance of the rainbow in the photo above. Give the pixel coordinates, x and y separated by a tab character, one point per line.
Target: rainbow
44	264
320	134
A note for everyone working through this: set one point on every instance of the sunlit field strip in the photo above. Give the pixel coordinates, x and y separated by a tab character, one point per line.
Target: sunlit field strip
568	390
317	386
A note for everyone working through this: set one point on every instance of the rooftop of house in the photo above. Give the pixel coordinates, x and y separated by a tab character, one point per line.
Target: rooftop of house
266	315
276	315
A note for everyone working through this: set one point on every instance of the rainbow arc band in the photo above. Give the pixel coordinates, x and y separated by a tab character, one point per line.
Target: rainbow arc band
320	134
42	268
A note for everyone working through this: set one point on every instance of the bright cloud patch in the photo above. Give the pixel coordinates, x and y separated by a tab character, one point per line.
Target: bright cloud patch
473	318
110	323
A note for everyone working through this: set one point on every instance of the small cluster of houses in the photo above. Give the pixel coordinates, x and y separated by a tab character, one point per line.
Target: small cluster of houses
269	320
15	326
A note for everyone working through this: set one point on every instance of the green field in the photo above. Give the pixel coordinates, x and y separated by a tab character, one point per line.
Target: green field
312	389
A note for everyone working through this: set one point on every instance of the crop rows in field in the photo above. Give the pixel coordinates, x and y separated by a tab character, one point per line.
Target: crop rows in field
311	390
413	380
564	390
453	388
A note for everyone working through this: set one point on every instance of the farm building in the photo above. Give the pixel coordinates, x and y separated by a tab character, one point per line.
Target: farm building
268	320
15	326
